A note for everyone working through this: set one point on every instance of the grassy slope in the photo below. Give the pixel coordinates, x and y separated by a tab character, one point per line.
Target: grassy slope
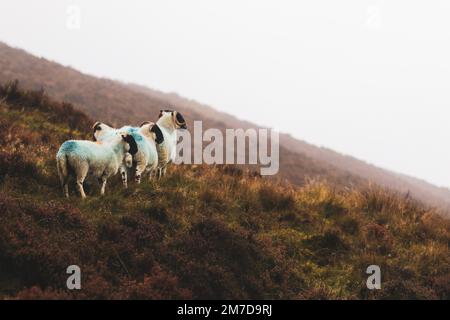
203	232
117	103
341	169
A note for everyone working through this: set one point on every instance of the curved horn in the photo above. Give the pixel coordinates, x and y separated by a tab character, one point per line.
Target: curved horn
179	119
144	123
97	123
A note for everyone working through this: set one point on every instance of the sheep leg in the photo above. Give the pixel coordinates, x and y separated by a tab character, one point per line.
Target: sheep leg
139	170
81	175
102	180
80	188
160	173
63	174
66	189
65	186
150	174
123	173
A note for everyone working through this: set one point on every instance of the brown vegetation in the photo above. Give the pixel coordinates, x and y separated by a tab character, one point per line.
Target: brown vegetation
202	232
120	103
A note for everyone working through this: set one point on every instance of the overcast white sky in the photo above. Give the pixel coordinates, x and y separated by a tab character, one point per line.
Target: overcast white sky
366	78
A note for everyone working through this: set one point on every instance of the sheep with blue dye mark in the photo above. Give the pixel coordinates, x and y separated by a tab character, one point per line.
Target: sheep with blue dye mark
147	137
168	122
104	132
102	160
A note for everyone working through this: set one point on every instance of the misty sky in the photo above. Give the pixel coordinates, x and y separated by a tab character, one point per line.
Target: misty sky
366	78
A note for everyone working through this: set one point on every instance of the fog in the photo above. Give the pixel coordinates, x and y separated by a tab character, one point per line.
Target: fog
366	78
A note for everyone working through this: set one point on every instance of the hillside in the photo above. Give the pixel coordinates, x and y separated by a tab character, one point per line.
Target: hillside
202	232
121	103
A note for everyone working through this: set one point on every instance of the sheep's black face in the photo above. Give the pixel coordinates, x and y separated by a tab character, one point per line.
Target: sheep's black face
159	135
177	118
180	121
132	143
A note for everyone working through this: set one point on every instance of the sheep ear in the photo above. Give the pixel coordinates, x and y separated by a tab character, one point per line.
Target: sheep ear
159	135
128	138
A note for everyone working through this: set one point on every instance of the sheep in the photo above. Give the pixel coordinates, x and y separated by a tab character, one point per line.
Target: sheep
100	159
168	121
147	136
103	132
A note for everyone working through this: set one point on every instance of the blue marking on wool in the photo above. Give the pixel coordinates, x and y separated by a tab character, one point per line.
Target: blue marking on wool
69	146
134	131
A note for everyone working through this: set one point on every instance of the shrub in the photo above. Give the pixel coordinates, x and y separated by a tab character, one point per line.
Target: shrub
202	232
276	198
17	164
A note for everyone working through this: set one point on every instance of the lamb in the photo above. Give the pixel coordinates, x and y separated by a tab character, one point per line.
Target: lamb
169	121
147	137
99	159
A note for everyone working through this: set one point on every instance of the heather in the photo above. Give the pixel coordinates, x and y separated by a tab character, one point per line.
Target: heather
202	232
